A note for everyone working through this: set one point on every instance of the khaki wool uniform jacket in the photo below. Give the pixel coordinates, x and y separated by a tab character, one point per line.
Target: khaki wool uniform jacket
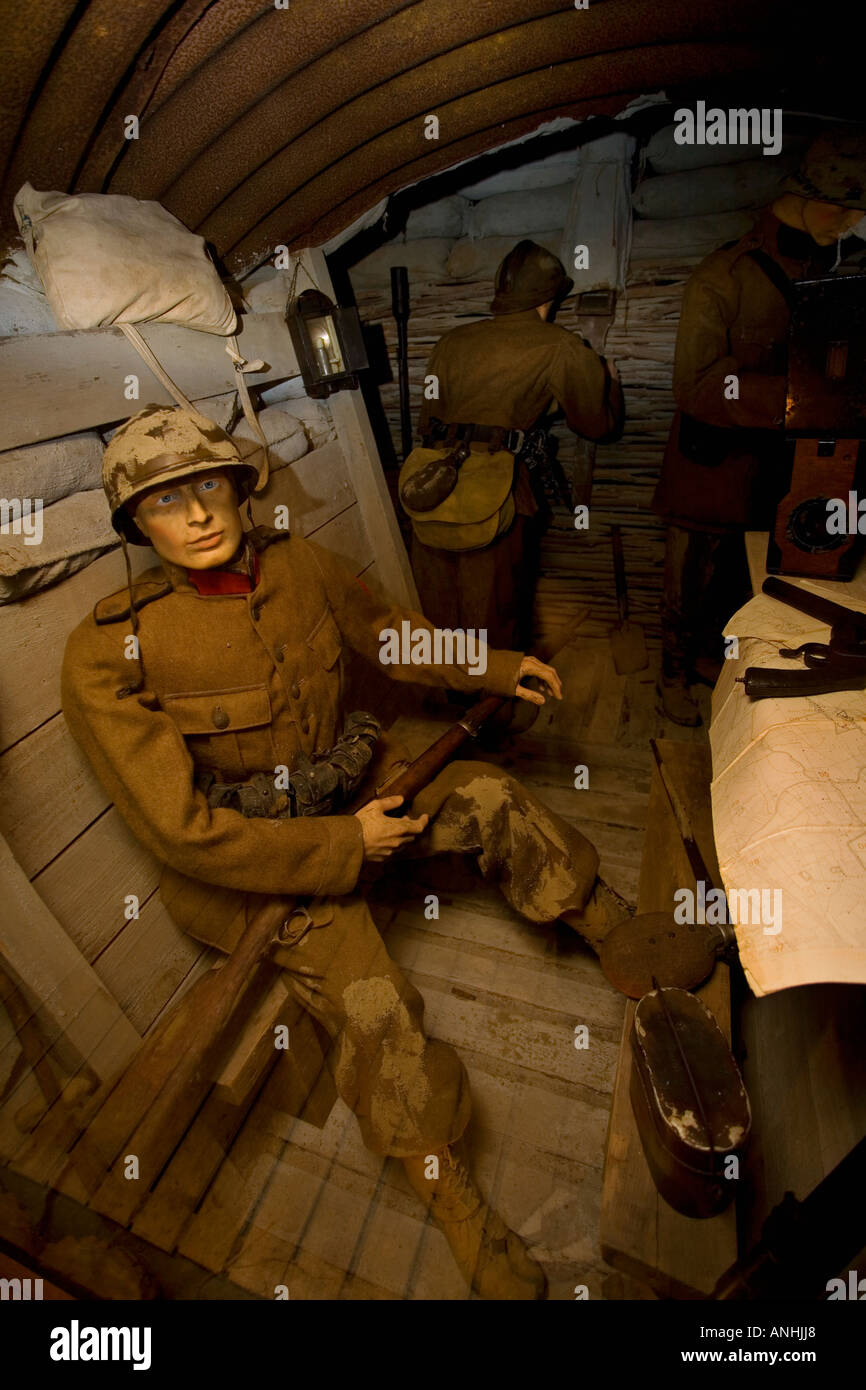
506	370
734	321
236	685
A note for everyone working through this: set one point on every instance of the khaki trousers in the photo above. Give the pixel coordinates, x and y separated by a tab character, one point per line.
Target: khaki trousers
409	1092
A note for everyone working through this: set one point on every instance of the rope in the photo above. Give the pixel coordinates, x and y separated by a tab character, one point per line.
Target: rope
241	365
145	352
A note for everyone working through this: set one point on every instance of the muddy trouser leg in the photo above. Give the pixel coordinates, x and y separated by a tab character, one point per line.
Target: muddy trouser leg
410	1093
542	865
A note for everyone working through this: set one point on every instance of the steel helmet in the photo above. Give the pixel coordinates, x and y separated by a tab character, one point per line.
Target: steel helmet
164	442
528	276
833	169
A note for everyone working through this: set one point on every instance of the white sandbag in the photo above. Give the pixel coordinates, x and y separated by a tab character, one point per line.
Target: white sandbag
316	420
39	547
53	469
723	188
268	292
665	156
313	415
478	260
106	258
23	305
291	389
285	433
541	173
597	229
425	260
446	218
657	239
520	214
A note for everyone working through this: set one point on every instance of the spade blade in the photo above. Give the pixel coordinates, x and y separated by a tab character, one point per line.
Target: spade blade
653	950
628	646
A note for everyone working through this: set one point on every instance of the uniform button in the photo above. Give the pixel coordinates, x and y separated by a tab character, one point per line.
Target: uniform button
295	691
219	718
279	654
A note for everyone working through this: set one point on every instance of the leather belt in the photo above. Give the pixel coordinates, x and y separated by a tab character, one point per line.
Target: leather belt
497	435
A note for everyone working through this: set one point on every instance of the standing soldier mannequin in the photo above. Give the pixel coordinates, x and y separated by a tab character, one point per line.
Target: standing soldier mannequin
494	379
194	690
721	468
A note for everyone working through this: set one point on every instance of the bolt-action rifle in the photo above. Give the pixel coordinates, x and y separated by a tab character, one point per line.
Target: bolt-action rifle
147	1110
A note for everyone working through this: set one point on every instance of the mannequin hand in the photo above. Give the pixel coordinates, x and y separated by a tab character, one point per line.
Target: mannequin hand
383	834
531	666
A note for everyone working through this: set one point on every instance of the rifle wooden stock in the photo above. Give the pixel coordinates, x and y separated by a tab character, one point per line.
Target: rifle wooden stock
150	1106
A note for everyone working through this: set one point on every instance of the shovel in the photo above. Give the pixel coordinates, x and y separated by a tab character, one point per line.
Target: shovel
627	642
652	949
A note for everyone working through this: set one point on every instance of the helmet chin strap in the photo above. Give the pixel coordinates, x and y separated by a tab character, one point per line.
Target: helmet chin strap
133	616
127	690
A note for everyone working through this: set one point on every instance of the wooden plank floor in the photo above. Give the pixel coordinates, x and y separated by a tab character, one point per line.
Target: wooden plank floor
311	1208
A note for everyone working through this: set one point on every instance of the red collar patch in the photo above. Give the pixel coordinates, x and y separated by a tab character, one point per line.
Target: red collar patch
223	581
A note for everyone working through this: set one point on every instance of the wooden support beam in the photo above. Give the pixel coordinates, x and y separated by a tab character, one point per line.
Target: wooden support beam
367	475
56	383
69	992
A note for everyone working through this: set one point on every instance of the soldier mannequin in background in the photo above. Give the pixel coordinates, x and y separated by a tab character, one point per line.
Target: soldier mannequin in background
721	470
500	375
190	689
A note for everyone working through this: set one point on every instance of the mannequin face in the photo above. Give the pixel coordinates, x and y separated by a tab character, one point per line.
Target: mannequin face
194	523
824	222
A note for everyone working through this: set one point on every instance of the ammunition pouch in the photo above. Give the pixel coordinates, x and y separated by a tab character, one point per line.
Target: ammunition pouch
317	786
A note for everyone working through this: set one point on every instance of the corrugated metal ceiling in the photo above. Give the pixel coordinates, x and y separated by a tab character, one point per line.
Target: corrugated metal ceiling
261	125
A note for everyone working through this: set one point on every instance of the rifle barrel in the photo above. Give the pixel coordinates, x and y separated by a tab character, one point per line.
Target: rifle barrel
824	610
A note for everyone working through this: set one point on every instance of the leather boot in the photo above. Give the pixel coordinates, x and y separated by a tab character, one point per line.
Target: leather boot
492	1259
677	702
602	911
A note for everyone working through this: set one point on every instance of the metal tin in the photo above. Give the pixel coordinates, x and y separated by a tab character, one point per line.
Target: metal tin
689	1101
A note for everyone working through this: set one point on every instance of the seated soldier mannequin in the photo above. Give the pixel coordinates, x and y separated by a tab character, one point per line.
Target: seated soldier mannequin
205	678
